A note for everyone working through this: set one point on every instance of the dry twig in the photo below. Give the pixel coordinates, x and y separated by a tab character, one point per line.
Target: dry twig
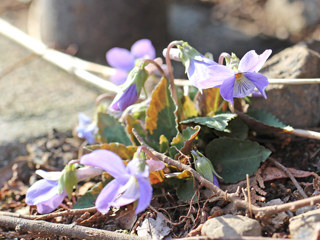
46	229
289	174
263	213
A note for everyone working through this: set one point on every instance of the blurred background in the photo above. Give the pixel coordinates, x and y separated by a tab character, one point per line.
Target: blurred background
37	96
89	28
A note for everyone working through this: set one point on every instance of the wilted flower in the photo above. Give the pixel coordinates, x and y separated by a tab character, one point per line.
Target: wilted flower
204	166
199	68
86	128
130	182
45	192
240	77
124	60
132	88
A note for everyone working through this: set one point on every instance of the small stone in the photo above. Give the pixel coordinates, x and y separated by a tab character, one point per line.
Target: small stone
290	102
231	226
303	226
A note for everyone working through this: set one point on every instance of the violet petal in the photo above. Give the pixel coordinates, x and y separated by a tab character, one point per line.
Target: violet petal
252	62
106	196
259	80
145	194
120	58
106	160
119	77
243	87
226	89
143	49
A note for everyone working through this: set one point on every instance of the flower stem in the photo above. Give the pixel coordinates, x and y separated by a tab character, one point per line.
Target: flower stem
222	57
170	70
157	66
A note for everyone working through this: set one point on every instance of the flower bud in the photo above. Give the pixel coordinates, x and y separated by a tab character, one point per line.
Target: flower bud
204	166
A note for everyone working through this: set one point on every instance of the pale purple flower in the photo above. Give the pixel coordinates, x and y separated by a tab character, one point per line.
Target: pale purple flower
44	193
125	99
240	79
131	183
86	128
123	60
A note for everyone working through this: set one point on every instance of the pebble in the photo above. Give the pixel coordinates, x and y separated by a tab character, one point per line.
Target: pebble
231	226
304	225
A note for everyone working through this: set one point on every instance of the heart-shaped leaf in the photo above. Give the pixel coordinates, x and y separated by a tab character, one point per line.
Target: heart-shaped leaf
234	158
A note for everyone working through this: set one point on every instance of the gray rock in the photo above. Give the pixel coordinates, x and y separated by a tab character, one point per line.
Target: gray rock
303	226
296	105
231	226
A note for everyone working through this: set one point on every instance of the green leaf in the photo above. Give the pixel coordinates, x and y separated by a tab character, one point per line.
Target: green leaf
125	152
111	130
237	129
89	198
185	191
68	180
183	141
161	118
218	122
266	118
234	158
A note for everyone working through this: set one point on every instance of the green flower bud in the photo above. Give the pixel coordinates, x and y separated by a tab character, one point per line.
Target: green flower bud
203	166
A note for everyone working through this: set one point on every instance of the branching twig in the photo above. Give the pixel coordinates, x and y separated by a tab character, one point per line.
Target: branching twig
289	174
47	229
259	212
71	212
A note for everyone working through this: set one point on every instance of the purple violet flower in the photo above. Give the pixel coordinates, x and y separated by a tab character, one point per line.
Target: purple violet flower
86	128
132	88
123	60
240	77
125	99
131	183
44	193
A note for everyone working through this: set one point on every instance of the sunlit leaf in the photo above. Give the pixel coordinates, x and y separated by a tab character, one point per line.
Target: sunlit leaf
234	158
125	152
164	144
209	101
156	177
188	108
218	122
183	141
266	118
161	118
137	125
111	130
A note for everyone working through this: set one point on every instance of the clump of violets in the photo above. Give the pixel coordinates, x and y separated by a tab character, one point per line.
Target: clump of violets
131	183
124	60
47	193
86	129
132	88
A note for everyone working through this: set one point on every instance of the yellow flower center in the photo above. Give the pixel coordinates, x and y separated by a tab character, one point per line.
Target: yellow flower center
238	77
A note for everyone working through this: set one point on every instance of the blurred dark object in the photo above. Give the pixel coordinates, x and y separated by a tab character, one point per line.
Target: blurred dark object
95	26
